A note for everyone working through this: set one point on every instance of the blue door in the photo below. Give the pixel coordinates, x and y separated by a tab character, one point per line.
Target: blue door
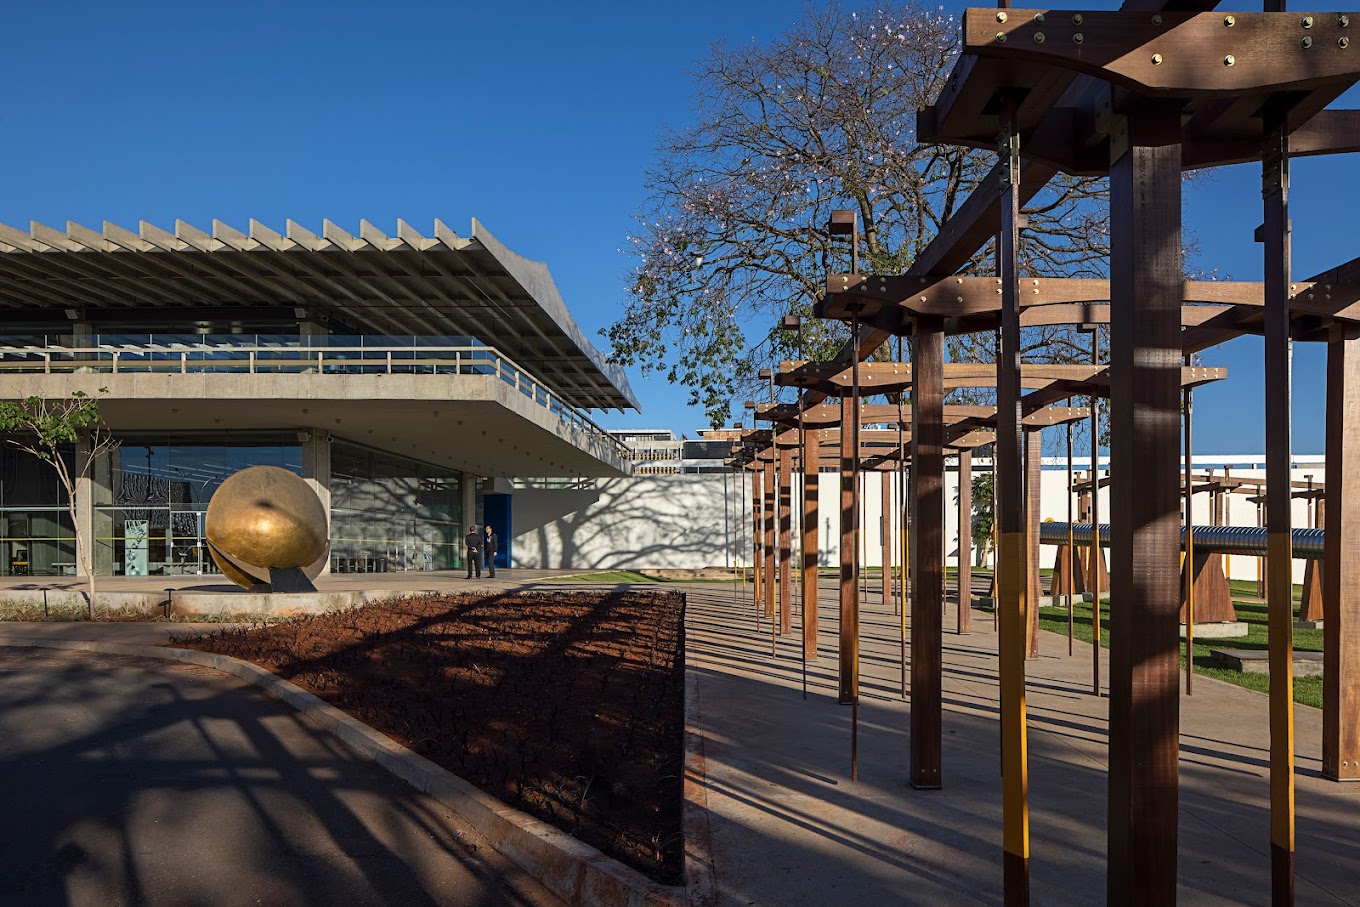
496	512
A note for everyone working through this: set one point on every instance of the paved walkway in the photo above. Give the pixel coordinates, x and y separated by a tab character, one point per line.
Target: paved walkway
790	828
183	767
134	781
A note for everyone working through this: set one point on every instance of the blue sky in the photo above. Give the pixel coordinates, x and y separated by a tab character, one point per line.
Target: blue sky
537	118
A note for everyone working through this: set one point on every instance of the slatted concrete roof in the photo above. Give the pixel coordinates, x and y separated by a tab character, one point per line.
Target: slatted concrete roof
404	285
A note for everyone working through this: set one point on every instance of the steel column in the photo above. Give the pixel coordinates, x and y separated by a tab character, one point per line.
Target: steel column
927	568
1146	265
1009	515
1341	562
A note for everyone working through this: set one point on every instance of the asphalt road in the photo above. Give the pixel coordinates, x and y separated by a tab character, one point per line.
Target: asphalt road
132	781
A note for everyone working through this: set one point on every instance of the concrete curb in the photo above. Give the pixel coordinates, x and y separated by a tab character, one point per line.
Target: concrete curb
570	869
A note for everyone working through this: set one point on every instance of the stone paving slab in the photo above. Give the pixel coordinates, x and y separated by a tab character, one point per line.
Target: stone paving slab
1257	661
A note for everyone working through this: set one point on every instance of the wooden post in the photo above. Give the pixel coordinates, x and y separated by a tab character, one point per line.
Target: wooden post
965	583
1279	493
849	642
771	576
1034	470
885	522
1145	366
810	542
1013	545
927	600
785	539
757	508
1341	565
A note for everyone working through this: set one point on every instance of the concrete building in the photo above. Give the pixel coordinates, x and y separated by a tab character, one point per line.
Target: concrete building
397	374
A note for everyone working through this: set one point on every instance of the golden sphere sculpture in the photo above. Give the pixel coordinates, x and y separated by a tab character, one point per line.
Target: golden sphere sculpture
266	530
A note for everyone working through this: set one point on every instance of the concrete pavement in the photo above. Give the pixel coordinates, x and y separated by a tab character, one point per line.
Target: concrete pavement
790	828
132	781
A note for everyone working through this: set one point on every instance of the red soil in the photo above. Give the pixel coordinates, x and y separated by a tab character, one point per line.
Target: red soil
568	705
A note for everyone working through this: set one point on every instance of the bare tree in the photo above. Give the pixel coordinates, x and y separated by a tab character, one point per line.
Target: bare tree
733	234
45	428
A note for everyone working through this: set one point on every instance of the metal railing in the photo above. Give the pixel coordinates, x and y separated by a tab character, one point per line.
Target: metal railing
329	360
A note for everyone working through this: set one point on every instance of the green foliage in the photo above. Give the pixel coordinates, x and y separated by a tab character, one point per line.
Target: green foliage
983	486
43	427
822	117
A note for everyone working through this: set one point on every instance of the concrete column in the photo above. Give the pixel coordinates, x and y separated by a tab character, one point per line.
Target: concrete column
85	488
316	470
470	517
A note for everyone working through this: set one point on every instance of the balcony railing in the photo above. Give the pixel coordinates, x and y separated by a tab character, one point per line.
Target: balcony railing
473	359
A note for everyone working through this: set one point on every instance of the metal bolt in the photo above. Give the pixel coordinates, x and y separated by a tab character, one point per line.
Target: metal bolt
1001	16
1038	37
1344	21
1156	59
1306	43
1343	41
1077	19
1000	37
1038	18
1307	21
958	299
1157	19
1229	60
1229	21
1077	38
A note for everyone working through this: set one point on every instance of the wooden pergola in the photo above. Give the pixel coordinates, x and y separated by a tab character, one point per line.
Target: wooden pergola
1140	95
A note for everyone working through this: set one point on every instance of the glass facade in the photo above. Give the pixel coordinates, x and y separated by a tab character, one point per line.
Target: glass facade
36	533
391	513
150	498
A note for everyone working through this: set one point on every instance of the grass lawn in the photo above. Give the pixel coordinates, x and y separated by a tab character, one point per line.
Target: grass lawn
1307	690
612	576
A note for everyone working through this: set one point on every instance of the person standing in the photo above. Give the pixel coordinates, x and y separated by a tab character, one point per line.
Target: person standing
474	558
489	548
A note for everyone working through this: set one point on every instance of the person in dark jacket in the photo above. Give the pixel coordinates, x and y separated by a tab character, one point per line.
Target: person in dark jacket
489	549
474	559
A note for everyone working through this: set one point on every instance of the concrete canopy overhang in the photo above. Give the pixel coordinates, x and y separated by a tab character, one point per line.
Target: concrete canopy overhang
403	285
474	423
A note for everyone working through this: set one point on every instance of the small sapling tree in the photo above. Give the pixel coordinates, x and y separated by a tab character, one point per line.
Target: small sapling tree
44	428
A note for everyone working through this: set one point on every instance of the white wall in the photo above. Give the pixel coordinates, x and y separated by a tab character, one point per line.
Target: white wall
704	520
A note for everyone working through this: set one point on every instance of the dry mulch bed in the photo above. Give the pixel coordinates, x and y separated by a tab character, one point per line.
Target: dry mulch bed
568	705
